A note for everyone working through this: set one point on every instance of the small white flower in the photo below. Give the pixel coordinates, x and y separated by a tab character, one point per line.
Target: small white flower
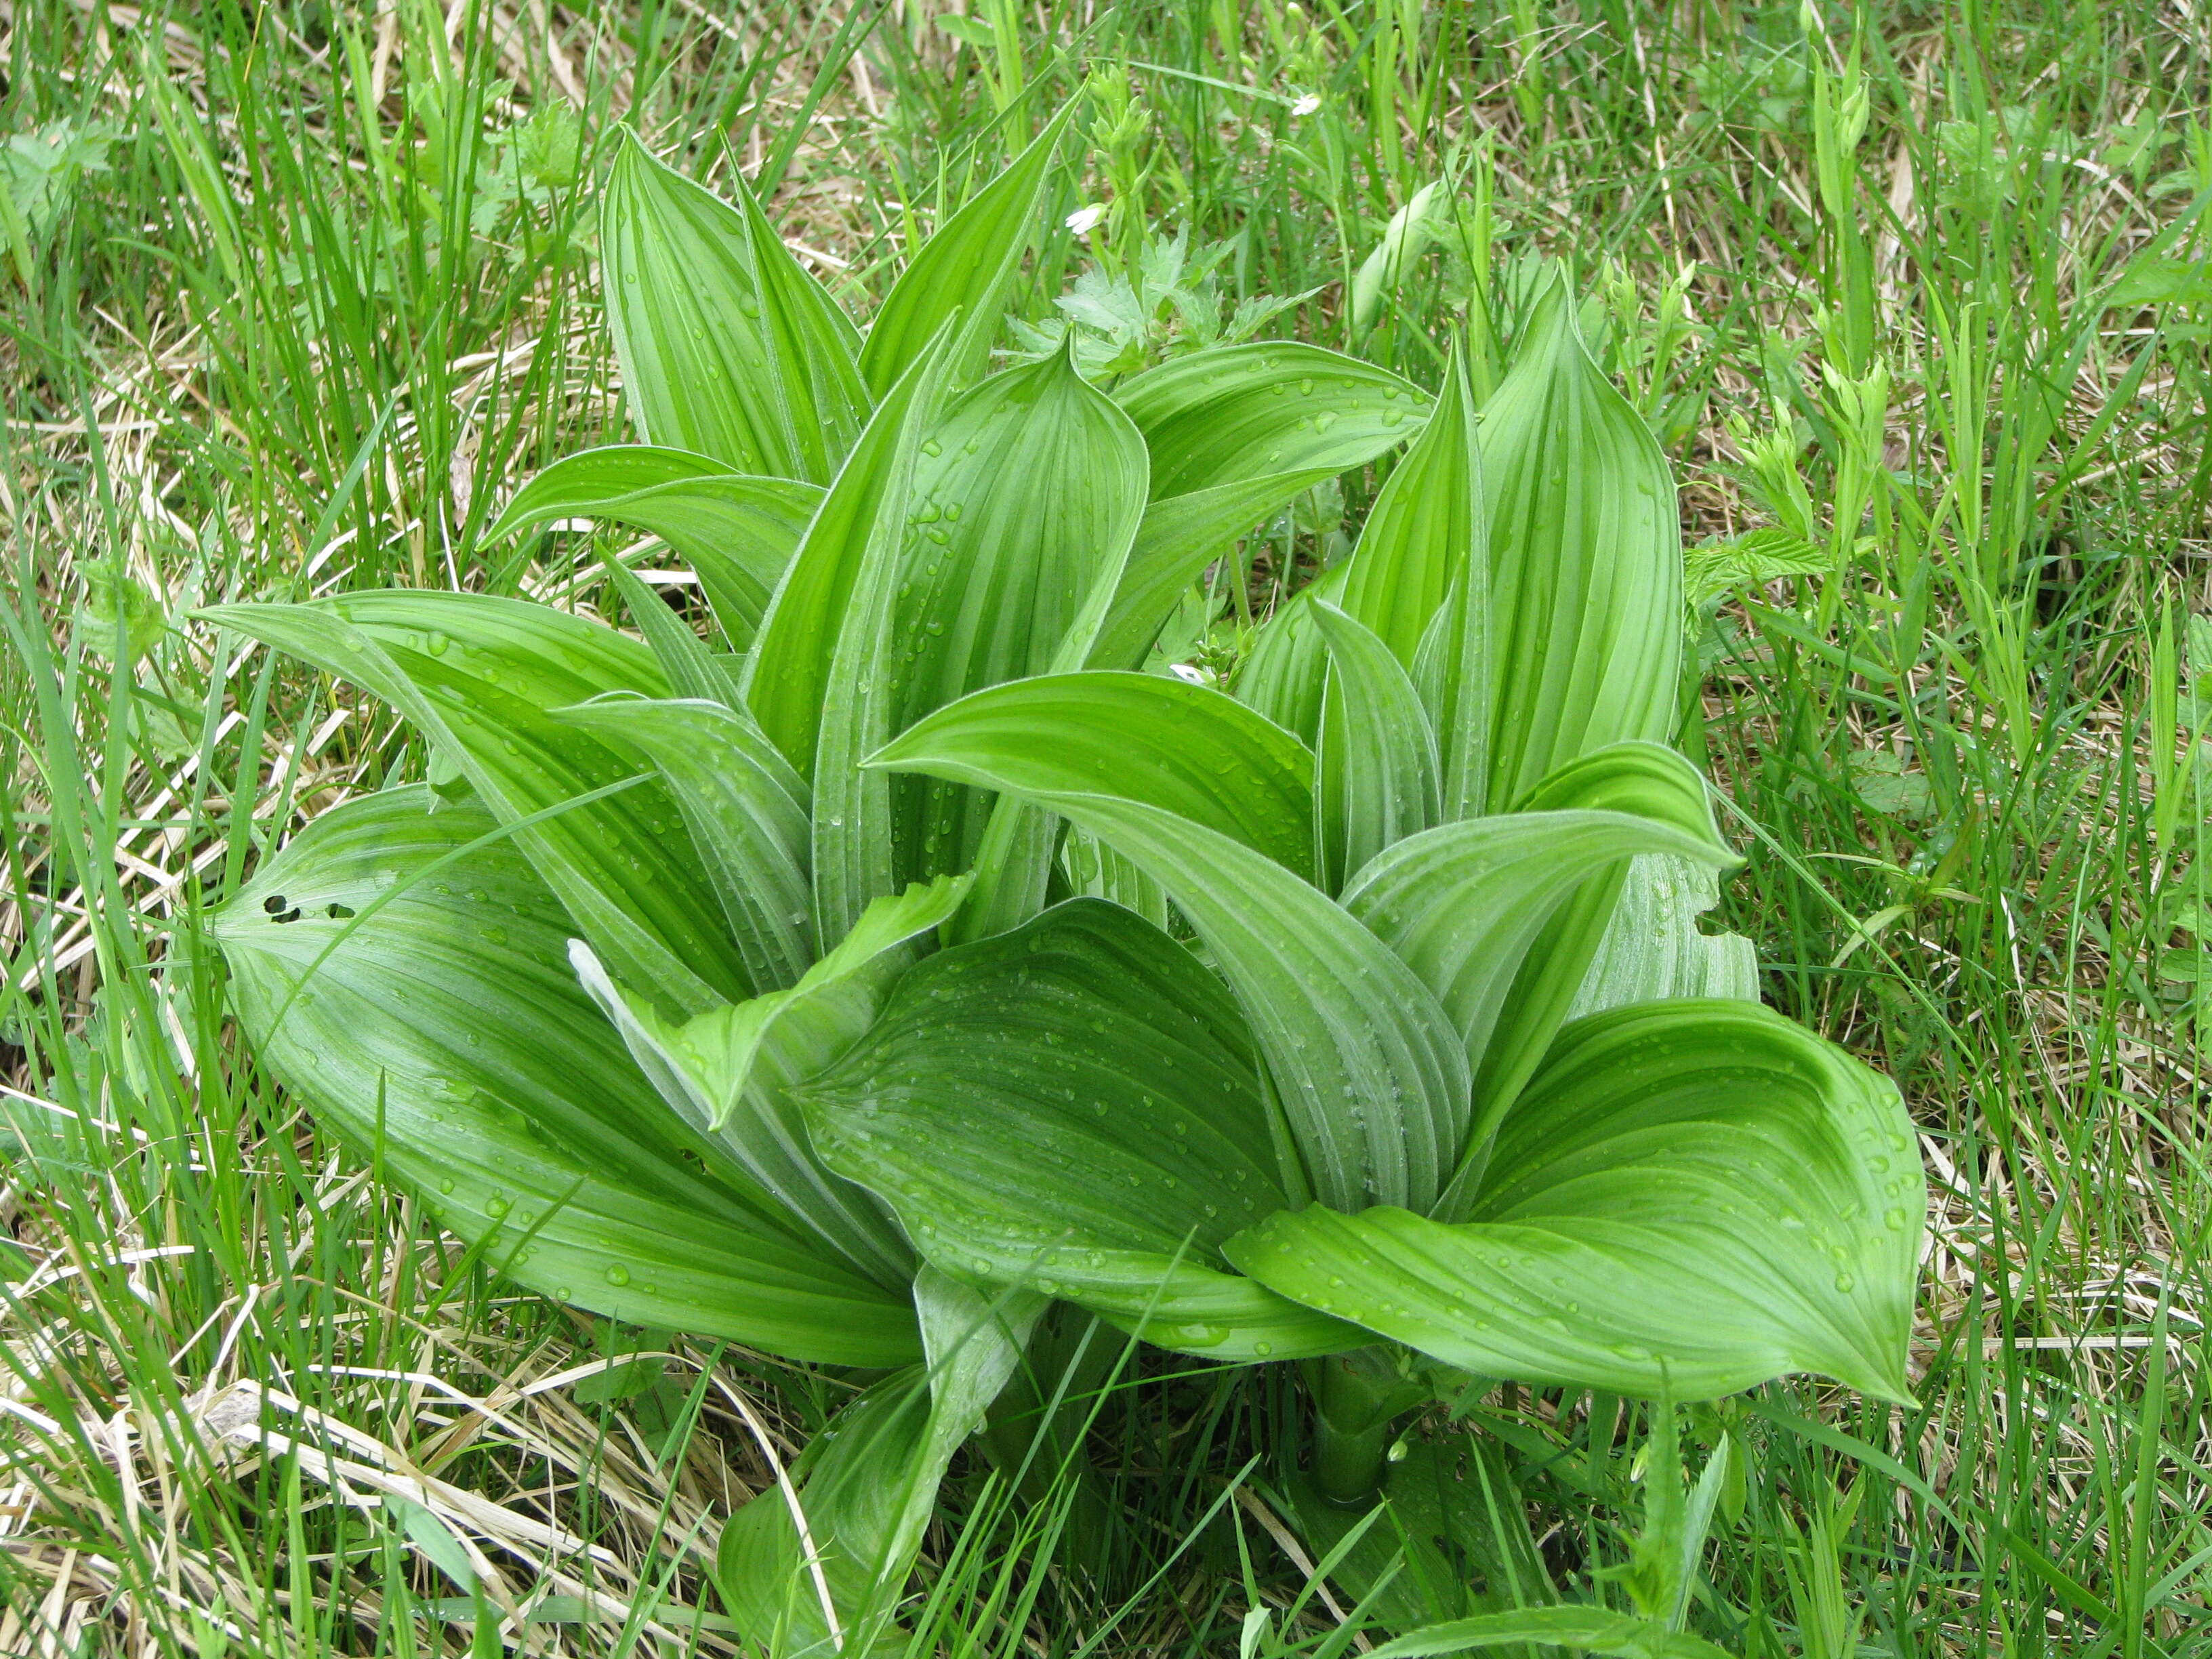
1306	104
1084	219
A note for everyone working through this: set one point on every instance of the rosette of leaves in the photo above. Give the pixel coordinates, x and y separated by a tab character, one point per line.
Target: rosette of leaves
1406	1085
568	991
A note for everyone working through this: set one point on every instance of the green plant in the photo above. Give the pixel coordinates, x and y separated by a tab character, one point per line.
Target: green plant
1447	1067
1403	1085
879	530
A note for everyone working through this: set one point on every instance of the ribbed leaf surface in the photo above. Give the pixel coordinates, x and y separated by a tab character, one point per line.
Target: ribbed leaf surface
477	675
1648	781
1244	411
1178	538
1286	673
1145	737
728	348
1027	496
1586	562
746	808
1426	527
788	675
1074	1108
1379	776
964	270
731	1073
736	531
1654	949
1372	1079
441	1032
1689	1198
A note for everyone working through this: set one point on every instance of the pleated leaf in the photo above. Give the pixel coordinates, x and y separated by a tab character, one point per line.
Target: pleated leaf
440	1031
1379	776
1426	527
965	270
1689	1198
1586	562
731	1071
788	675
1074	1108
1420	579
1180	536
1467	905
1648	781
1246	411
478	677
727	347
1285	676
1654	950
746	808
1027	496
1143	736
855	842
689	667
1372	1079
736	532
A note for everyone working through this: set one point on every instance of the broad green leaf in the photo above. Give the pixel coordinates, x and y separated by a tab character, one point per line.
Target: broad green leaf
1074	1108
788	675
855	848
965	270
1377	773
1653	948
1372	1081
1094	870
1463	902
1179	537
735	530
1466	904
477	675
1240	413
1585	554
731	1073
1420	579
409	984
1654	784
1286	674
1426	527
1026	497
746	808
1191	750
871	1484
1689	1198
728	348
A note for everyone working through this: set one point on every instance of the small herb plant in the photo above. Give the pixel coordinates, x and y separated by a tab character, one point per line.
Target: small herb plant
904	960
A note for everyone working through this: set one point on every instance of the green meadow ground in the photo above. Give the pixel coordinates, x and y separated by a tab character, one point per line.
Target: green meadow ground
290	297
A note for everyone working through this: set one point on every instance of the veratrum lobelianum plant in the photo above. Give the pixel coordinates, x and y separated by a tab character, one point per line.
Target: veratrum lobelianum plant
820	988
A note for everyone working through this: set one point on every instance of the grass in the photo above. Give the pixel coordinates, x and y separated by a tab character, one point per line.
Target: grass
290	297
